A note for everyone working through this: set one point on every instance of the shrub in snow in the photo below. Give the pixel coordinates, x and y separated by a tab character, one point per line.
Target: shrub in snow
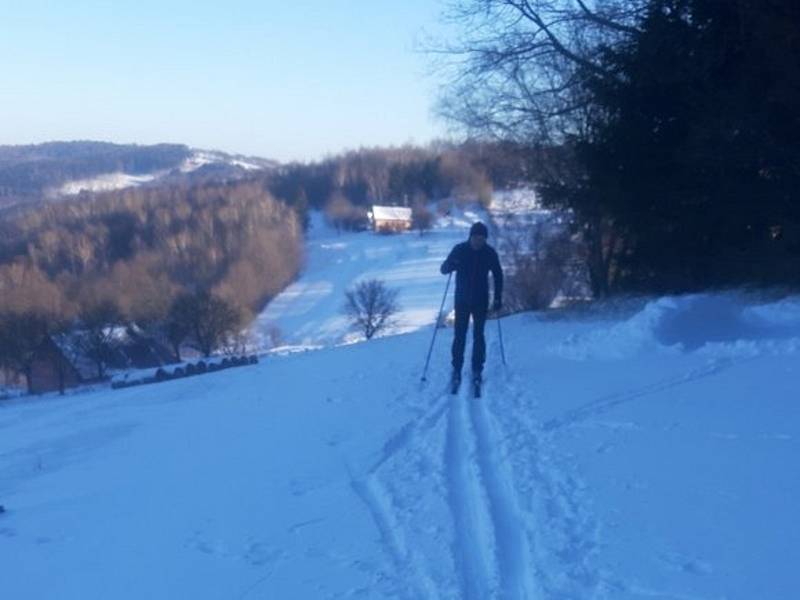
191	369
253	359
161	375
541	261
371	306
202	367
421	218
343	214
179	372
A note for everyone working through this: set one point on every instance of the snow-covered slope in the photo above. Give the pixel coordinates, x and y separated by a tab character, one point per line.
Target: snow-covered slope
646	452
198	160
104	183
309	312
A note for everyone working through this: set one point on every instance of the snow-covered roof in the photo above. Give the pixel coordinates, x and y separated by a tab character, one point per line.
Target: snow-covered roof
391	213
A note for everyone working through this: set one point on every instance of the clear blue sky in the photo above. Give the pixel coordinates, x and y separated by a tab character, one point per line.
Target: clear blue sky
289	80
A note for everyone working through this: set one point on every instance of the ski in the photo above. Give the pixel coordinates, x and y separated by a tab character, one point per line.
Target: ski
476	387
455	383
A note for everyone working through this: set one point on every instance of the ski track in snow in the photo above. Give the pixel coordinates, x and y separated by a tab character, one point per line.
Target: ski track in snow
489	543
601	405
498	489
546	534
467	500
407	563
512	550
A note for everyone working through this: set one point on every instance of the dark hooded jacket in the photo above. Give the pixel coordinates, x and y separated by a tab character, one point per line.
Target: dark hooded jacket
472	275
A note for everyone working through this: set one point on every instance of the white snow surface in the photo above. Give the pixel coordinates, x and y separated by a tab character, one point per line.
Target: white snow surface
200	158
121	180
106	182
642	451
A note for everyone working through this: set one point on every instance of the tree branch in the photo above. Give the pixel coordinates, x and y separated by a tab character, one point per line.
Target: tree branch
605	22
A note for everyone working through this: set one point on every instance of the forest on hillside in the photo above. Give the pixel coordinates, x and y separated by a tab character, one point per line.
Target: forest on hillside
140	247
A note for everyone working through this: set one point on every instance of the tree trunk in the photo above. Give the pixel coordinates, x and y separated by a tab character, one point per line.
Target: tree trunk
596	260
28	372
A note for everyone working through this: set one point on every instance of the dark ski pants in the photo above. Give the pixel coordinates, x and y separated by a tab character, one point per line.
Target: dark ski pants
463	313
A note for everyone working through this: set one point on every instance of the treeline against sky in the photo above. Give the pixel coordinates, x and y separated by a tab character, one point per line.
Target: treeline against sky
405	175
141	247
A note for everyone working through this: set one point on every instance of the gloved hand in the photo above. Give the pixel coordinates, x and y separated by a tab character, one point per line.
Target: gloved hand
450	265
497	306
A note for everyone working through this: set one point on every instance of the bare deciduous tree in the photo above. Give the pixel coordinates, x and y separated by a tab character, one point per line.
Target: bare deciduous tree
177	326
343	214
515	69
421	218
207	321
337	210
371	305
518	71
97	335
542	261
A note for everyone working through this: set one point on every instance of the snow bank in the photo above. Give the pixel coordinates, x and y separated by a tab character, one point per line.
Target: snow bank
716	325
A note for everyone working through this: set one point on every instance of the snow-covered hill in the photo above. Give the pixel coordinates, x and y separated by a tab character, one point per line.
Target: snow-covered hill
641	450
198	162
644	454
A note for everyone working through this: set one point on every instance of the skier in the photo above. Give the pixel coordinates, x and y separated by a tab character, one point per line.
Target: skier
472	260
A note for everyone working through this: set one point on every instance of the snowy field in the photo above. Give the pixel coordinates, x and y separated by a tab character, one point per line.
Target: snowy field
649	454
309	312
637	451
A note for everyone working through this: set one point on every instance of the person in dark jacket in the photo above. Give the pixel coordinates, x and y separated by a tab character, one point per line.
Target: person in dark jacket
472	260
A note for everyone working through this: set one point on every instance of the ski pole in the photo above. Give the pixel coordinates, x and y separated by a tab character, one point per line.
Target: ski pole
436	326
502	349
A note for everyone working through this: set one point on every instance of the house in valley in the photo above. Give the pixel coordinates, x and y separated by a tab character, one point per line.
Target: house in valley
390	218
